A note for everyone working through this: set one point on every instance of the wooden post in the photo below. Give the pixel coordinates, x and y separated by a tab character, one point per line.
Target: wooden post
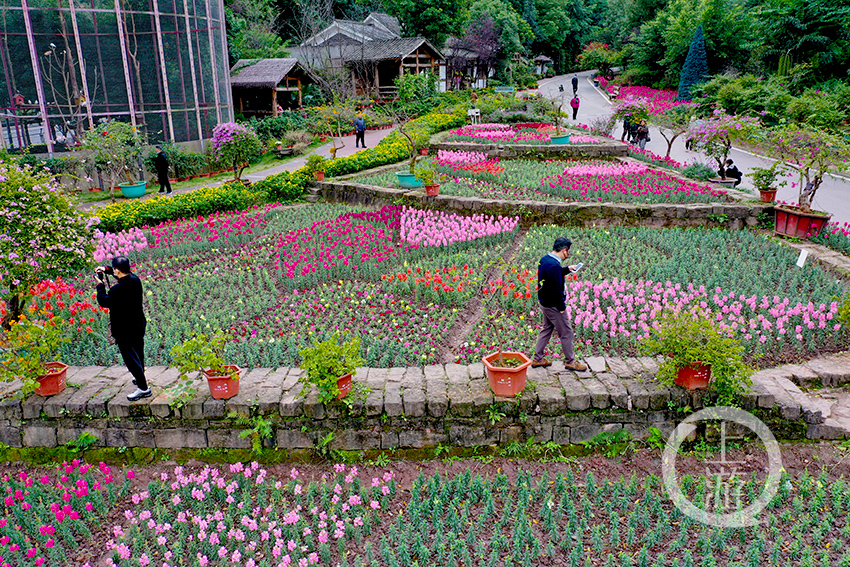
274	102
299	92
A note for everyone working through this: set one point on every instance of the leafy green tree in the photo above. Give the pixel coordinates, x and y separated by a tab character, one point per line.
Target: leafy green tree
672	123
695	69
115	149
514	31
43	236
252	30
562	26
435	20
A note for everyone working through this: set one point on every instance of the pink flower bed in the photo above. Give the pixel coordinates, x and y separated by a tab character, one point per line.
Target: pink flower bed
214	227
650	186
604	168
124	243
659	99
438	228
521	133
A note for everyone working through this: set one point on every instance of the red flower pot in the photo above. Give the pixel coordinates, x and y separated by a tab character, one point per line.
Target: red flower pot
694	377
53	381
224	387
344	385
432	190
768	196
505	381
320	176
423	151
791	221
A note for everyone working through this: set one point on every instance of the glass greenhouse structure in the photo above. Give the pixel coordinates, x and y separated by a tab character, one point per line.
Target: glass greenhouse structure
67	64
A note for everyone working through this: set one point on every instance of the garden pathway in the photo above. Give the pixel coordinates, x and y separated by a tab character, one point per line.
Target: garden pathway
372	138
832	195
417	407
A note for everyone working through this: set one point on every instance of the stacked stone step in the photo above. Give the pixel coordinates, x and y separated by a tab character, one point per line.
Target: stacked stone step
407	407
313	193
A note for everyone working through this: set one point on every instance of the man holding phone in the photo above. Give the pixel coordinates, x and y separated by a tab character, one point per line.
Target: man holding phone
553	298
126	319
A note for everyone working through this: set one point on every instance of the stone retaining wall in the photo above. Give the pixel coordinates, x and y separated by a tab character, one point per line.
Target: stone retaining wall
659	215
410	407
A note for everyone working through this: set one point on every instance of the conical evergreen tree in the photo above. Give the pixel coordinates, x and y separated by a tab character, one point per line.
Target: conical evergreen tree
695	69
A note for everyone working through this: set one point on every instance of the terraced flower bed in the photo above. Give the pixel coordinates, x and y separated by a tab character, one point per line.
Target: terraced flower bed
400	278
474	174
523	133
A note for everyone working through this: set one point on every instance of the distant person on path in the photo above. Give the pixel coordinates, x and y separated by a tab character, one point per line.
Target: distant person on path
575	103
474	97
561	88
126	319
627	129
732	172
642	135
162	171
553	298
359	131
575	84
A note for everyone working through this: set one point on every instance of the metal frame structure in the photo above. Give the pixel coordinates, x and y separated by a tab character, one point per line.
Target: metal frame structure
68	64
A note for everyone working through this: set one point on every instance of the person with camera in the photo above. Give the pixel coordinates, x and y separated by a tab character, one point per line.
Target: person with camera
552	297
126	319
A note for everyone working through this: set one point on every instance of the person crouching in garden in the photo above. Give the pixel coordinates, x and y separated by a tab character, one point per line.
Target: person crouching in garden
552	298
126	320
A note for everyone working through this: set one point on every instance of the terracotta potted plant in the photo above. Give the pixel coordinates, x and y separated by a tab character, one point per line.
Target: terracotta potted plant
507	371
205	353
28	351
330	365
698	353
764	179
429	177
316	164
812	154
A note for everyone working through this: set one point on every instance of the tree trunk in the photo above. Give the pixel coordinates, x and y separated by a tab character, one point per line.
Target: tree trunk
15	308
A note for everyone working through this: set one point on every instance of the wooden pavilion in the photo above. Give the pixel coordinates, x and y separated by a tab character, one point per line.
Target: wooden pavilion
263	87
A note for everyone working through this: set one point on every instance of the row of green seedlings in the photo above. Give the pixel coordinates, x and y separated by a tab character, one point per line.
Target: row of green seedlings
491	523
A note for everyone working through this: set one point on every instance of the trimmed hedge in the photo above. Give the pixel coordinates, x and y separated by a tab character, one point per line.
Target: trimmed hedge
285	186
204	201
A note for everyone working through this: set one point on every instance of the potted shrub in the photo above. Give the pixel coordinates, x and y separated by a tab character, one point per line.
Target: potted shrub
205	353
316	165
507	371
555	107
115	148
330	365
429	177
698	353
415	137
764	179
812	154
28	351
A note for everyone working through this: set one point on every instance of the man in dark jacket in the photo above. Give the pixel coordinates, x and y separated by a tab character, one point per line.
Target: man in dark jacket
552	298
127	320
732	172
359	131
162	171
575	84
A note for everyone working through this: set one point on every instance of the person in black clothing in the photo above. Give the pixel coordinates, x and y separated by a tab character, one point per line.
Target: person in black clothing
732	172
162	171
575	84
359	131
552	298
126	320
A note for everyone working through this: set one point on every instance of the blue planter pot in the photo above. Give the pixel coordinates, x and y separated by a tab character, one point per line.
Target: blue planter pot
133	190
408	181
561	140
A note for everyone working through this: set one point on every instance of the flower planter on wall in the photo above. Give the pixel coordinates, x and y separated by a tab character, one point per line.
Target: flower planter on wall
506	381
561	140
408	181
344	385
53	381
768	196
694	377
793	222
224	387
432	190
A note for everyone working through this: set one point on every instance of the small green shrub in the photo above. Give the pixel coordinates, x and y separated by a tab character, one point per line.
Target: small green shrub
326	361
698	171
281	187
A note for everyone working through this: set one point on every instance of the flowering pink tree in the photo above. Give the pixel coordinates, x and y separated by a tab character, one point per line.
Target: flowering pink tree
812	153
234	144
672	123
715	135
634	108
